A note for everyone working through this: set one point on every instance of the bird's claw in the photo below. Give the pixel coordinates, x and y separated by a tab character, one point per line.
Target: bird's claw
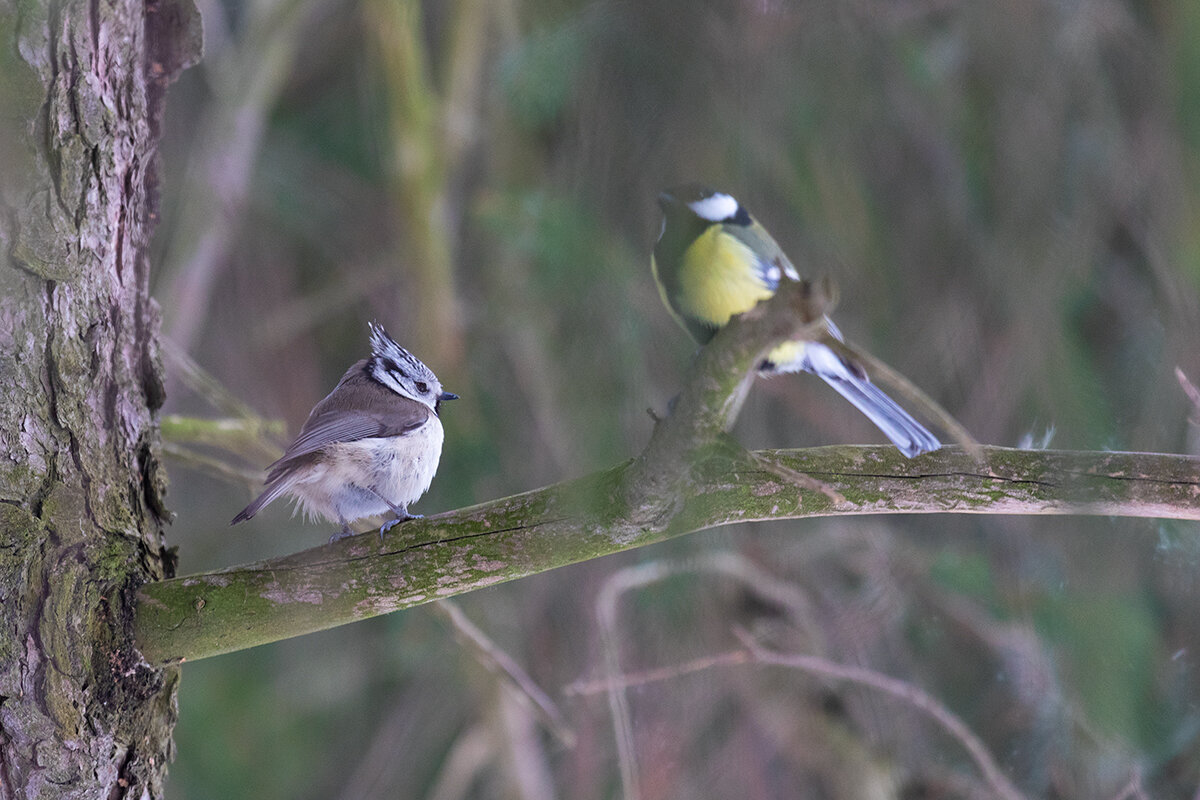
342	534
400	517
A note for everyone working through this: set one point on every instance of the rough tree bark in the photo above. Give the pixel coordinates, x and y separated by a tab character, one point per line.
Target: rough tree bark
81	486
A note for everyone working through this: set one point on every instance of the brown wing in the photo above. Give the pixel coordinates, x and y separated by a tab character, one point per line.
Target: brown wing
362	409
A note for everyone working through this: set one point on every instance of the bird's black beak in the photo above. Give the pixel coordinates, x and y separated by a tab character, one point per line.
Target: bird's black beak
442	397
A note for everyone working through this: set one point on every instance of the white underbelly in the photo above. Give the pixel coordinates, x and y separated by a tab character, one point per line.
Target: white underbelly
367	477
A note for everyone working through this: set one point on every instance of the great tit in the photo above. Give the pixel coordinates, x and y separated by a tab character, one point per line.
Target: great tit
713	260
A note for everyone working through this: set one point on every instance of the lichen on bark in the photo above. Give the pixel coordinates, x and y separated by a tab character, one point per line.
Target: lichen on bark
80	485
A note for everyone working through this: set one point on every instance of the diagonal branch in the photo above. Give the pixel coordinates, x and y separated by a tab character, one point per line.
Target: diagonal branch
691	476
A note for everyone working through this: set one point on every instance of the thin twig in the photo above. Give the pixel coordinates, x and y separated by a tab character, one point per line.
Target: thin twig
1193	394
618	704
1133	789
615	682
909	392
469	756
670	672
914	696
798	478
213	466
202	382
496	659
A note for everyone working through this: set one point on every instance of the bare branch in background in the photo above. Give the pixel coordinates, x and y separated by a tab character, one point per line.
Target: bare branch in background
246	81
505	666
910	694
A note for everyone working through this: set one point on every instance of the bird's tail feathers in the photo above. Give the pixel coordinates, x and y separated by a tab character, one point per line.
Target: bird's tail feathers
909	436
272	492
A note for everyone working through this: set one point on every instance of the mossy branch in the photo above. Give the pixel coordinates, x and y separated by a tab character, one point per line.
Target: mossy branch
691	476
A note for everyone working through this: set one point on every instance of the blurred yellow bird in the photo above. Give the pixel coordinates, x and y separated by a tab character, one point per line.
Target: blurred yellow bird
713	260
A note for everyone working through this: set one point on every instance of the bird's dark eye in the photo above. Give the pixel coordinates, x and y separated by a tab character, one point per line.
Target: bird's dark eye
422	387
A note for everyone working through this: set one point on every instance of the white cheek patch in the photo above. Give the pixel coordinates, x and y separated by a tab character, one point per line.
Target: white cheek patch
715	208
390	381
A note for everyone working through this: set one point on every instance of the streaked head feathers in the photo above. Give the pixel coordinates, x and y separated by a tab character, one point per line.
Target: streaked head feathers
401	371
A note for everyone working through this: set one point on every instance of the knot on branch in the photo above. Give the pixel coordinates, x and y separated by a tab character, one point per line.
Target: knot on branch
796	312
716	385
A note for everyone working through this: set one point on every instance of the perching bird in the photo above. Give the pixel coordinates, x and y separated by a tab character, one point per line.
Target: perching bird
713	260
371	446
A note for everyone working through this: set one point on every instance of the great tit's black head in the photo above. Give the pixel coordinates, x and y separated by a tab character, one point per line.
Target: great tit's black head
690	209
706	204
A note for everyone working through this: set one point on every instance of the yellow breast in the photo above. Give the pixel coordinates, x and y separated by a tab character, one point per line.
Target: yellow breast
717	279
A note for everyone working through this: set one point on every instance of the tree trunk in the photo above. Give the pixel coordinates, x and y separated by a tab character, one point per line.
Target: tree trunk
81	485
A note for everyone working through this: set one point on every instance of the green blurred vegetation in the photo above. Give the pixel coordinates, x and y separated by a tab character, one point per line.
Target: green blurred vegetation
1006	195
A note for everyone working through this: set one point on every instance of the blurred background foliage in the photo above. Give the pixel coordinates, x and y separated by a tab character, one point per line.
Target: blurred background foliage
1006	194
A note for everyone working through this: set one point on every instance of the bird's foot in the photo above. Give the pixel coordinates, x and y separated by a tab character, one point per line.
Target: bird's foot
402	515
342	534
